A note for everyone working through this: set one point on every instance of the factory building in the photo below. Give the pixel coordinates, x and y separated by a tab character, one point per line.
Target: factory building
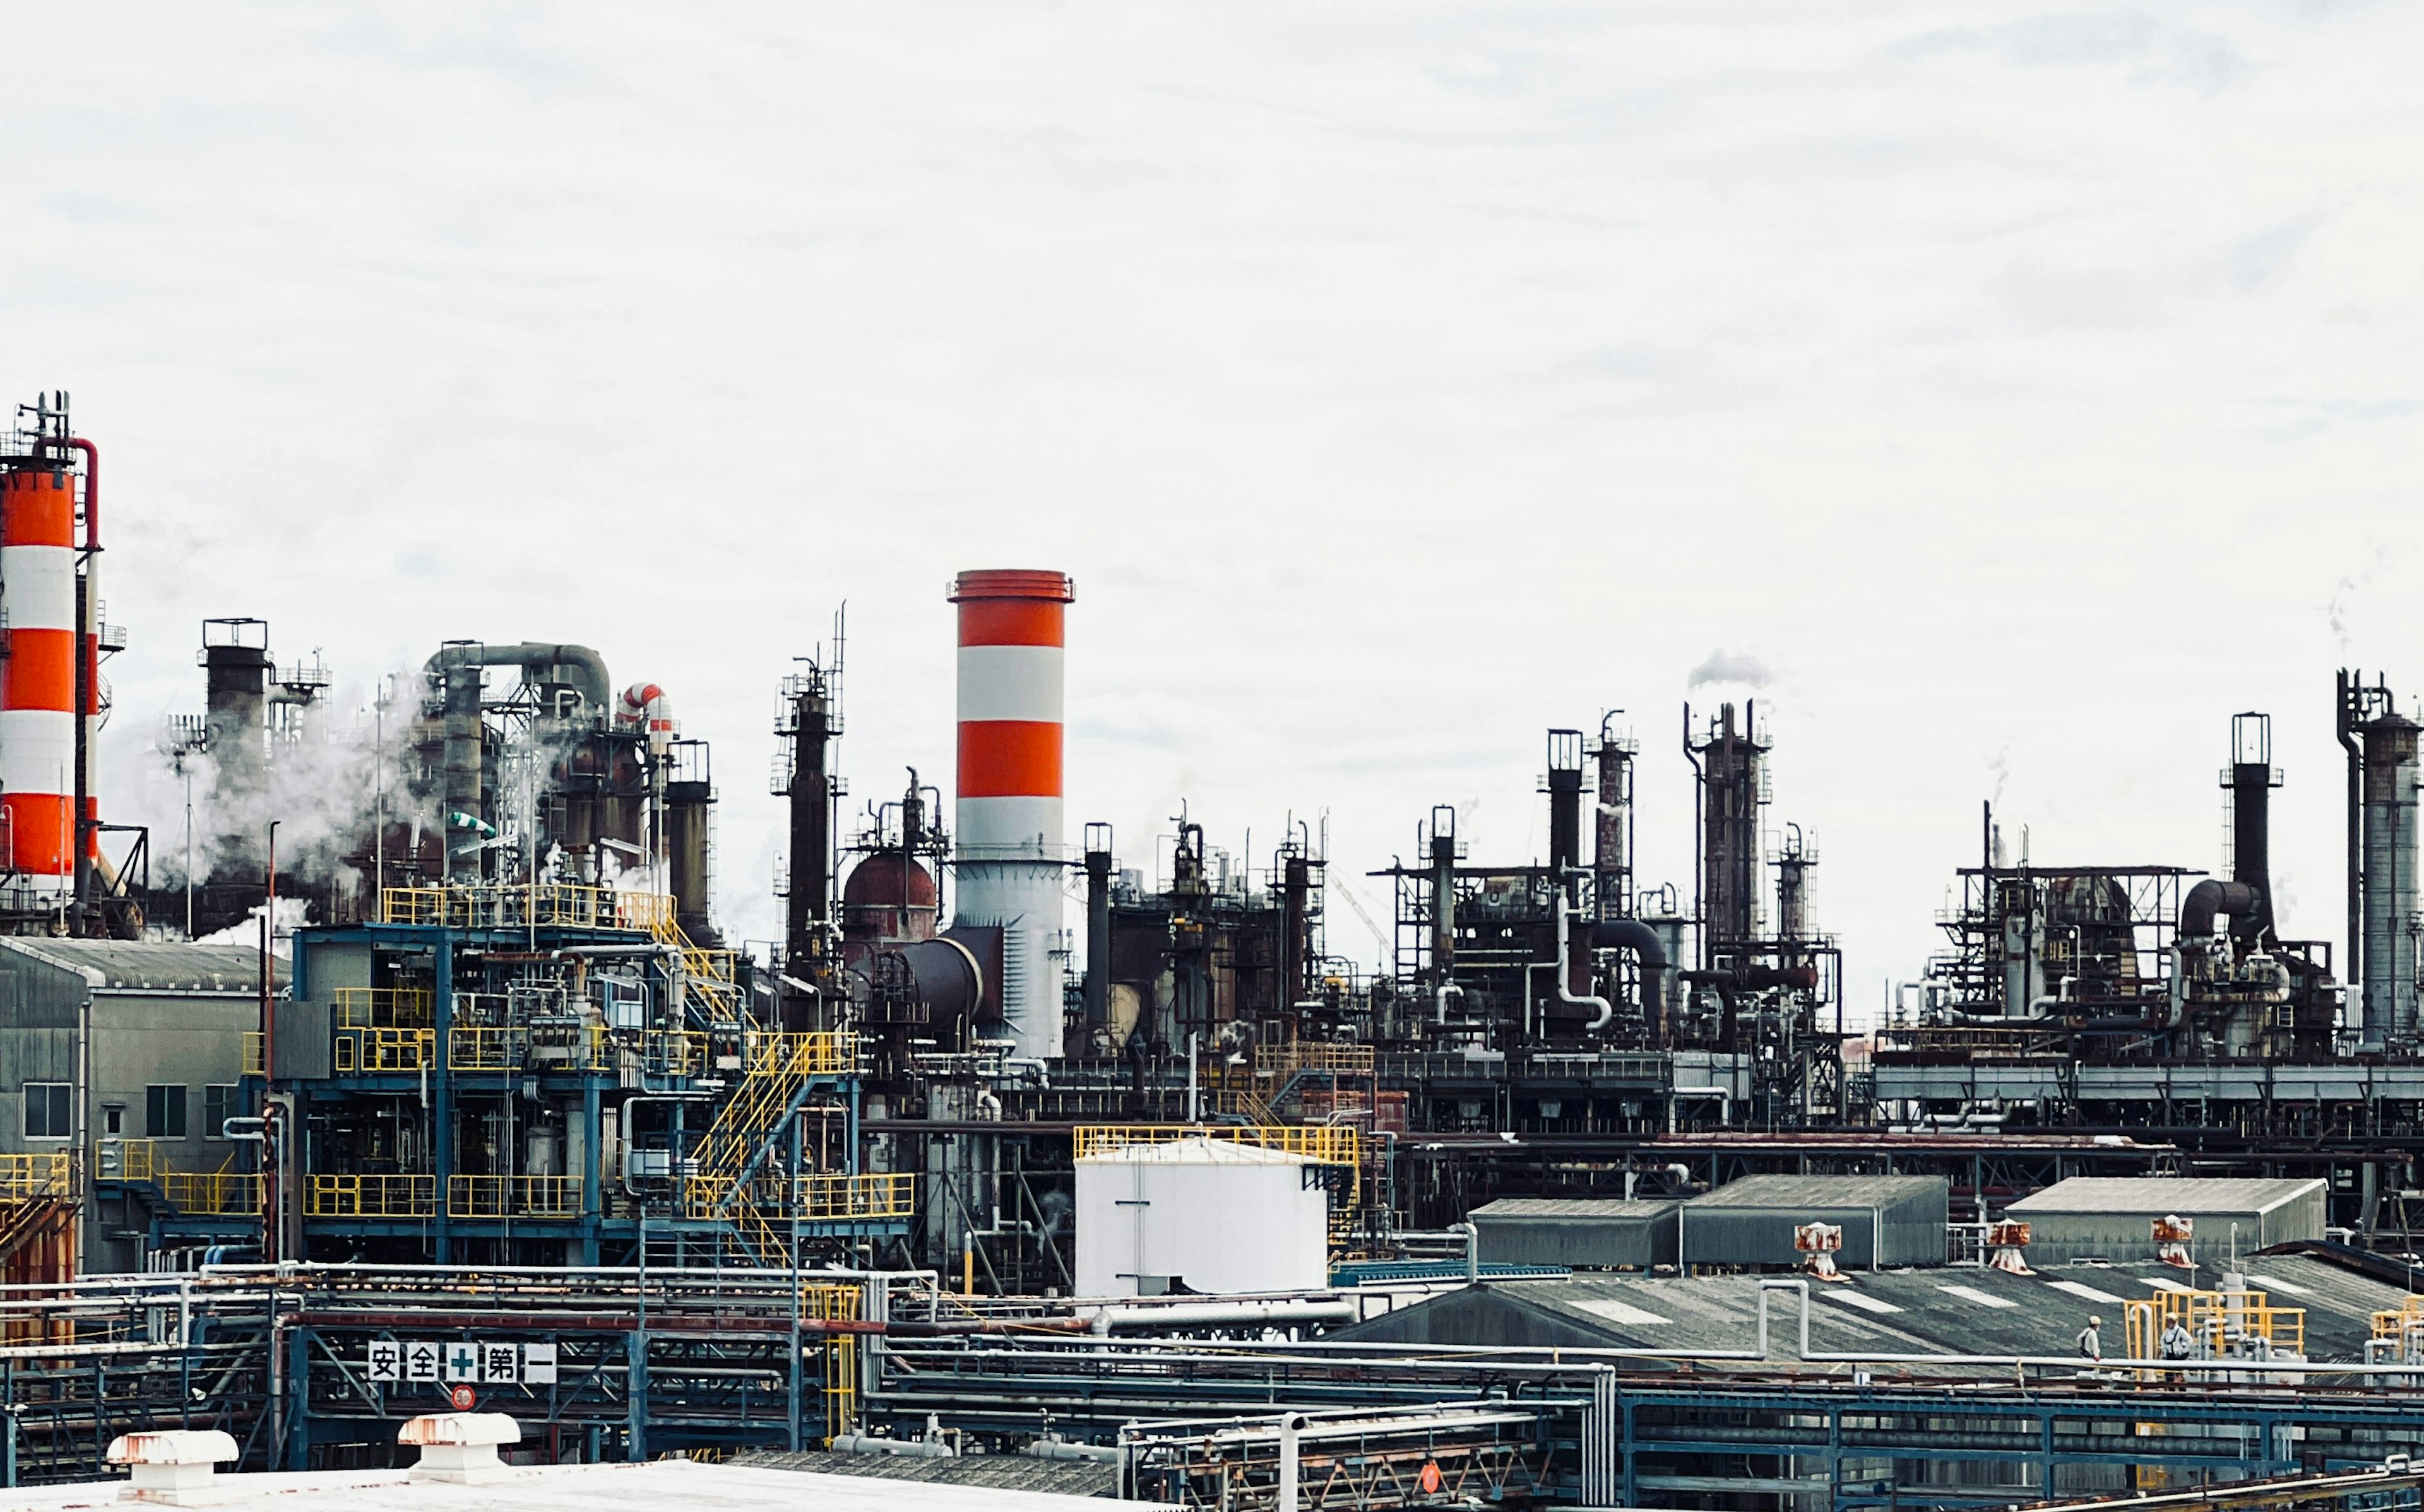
938	1124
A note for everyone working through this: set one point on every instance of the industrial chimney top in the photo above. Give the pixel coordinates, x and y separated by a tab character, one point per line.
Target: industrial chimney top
1014	582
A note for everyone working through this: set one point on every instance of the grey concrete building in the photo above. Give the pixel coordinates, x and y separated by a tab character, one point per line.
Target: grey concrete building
126	1057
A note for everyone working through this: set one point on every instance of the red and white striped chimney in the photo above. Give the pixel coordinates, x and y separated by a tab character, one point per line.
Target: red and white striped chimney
1008	855
38	515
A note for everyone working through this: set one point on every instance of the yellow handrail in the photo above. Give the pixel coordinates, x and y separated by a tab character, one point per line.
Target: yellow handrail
253	1060
128	1160
370	1197
22	1177
1280	1062
499	1197
363	1051
212	1192
2222	1323
517	905
383	1008
1326	1144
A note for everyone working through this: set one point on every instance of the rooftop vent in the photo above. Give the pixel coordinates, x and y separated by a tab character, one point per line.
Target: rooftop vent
1818	1244
172	1467
2010	1242
461	1448
2174	1235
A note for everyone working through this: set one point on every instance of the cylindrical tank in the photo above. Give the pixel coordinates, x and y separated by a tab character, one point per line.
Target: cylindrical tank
1204	1215
2389	975
38	678
1013	639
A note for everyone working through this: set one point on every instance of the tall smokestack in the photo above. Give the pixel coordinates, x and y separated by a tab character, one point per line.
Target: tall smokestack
1008	861
38	739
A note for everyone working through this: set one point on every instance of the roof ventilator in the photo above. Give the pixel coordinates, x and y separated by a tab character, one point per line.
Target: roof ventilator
2006	1242
174	1467
1818	1243
2172	1236
461	1448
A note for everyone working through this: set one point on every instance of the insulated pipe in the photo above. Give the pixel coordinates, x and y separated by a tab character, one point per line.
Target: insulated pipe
1471	1233
2212	898
1639	938
2352	967
588	667
87	672
1607	1008
1220	1314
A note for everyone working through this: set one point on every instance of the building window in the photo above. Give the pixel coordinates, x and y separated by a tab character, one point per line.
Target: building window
164	1112
49	1110
220	1103
113	1118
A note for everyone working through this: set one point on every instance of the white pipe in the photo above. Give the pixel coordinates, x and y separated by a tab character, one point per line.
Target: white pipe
1291	1425
1607	1008
1194	1101
1198	1315
1438	1000
1471	1236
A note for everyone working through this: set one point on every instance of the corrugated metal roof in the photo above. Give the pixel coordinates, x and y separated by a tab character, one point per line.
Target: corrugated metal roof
1944	1310
2154	1196
1612	1209
1794	1192
151	966
646	1488
1198	1150
1001	1472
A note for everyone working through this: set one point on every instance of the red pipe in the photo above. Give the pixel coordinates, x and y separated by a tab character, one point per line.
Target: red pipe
91	491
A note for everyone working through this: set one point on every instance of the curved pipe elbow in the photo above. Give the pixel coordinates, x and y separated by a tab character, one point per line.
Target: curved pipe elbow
2215	899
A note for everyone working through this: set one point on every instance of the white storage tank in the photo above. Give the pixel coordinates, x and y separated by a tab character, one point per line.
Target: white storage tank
1200	1215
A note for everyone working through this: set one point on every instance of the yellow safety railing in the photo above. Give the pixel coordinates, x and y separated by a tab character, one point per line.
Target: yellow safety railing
883	1194
773	1066
673	1052
1326	1144
38	1175
127	1159
1281	1061
514	1197
383	1008
478	1049
363	1051
253	1060
519	906
1242	1102
370	1197
212	1192
2223	1324
769	1053
828	1303
2400	1323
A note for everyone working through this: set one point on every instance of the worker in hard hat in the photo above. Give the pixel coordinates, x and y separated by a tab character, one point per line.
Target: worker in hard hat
2091	1340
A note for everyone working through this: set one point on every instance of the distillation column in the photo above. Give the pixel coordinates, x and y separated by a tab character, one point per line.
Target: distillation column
2389	825
1008	857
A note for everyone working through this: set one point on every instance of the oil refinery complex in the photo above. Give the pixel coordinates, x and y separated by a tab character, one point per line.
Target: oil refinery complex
1038	1158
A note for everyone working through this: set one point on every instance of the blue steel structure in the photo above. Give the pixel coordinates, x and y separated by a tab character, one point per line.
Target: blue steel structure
553	1086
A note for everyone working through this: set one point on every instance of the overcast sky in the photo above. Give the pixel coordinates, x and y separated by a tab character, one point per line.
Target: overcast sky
2014	392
